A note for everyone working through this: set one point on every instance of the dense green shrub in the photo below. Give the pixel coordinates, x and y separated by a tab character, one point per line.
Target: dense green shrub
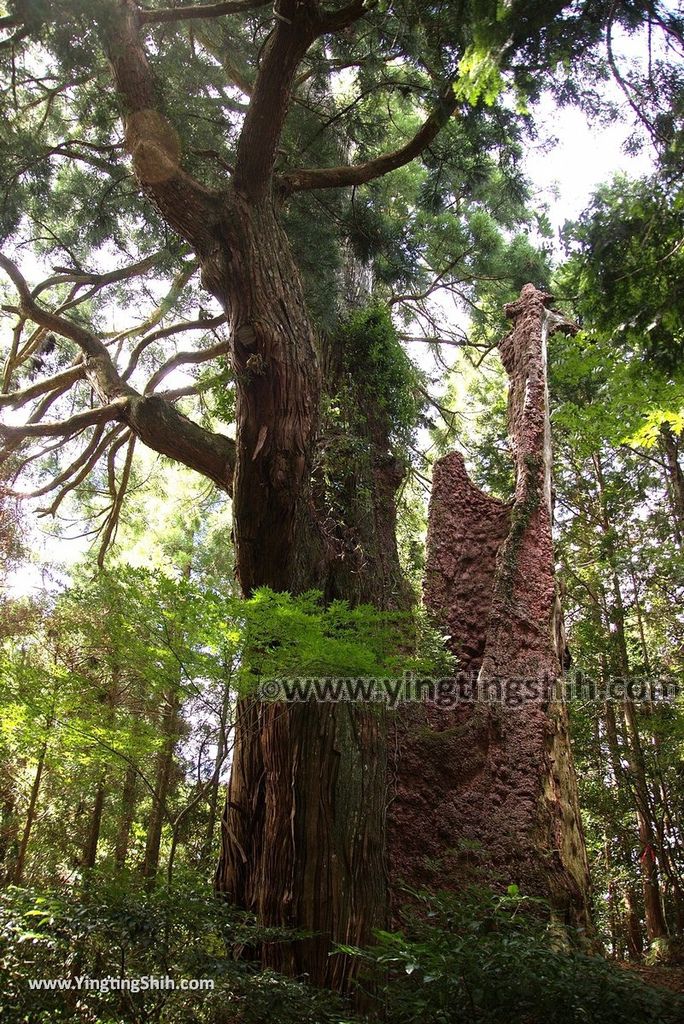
116	927
476	958
484	958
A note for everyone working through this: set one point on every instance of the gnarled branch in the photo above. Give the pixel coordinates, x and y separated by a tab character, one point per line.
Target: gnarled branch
152	418
148	16
63	428
358	174
188	206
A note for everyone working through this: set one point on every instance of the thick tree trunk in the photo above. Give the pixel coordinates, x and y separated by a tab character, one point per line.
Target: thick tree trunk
487	792
304	827
275	361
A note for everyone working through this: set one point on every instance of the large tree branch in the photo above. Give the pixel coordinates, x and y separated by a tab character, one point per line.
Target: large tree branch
185	359
15	399
161	427
187	205
295	31
166	332
299	23
151	417
63	428
148	16
358	174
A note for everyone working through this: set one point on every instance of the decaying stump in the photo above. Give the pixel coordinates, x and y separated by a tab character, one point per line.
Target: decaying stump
485	791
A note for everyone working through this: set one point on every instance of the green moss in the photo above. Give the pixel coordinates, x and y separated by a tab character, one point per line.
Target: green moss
384	375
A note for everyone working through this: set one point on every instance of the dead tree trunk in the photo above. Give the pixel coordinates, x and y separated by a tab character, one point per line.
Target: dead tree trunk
487	791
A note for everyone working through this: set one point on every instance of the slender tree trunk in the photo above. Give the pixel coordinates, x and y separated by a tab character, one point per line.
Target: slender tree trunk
625	927
668	837
30	815
656	927
675	479
635	936
93	838
162	785
9	838
126	816
215	790
633	908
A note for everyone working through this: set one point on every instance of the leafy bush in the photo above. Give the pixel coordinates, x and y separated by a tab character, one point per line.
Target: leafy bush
480	958
484	958
115	927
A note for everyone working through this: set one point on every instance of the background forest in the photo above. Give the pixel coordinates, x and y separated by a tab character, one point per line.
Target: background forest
253	272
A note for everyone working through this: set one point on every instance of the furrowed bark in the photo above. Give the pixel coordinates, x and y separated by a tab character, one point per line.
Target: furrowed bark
304	824
303	831
275	362
488	789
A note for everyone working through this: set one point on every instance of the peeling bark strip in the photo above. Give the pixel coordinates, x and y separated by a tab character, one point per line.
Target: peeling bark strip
487	792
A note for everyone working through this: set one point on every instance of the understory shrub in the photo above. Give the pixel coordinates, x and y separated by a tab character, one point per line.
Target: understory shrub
491	959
